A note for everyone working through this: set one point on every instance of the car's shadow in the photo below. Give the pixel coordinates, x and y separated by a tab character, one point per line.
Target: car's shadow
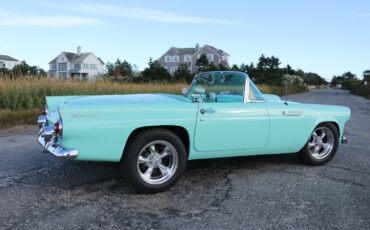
93	176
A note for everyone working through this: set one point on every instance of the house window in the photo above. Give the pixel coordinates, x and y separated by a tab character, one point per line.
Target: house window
210	57
187	58
62	66
167	58
90	66
175	58
76	66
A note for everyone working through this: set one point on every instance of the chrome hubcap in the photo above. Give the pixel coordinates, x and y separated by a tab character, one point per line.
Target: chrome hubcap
321	143
157	162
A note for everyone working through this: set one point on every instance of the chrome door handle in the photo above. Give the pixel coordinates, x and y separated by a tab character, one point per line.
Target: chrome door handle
208	110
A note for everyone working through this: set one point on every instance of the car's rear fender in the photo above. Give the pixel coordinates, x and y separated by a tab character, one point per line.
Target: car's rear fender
54	101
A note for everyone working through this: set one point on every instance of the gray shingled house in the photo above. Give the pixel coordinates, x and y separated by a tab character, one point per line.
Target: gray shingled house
175	56
83	66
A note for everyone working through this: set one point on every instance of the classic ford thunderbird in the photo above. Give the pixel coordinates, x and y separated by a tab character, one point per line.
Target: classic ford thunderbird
223	114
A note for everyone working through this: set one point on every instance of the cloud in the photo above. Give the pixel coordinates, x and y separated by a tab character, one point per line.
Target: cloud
138	13
360	15
11	19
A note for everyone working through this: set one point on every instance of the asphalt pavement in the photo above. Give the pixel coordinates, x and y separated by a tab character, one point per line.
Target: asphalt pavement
38	191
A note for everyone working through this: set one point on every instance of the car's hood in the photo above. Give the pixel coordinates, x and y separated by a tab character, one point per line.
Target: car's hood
127	99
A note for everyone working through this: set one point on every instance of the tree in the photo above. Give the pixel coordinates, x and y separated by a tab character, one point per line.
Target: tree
267	70
120	69
183	74
202	63
313	79
155	72
235	67
23	69
222	67
347	80
268	63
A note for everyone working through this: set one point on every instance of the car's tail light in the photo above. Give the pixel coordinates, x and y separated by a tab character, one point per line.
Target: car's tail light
57	128
45	110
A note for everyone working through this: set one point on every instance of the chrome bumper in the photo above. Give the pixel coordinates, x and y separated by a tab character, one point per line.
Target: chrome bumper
344	140
41	120
47	140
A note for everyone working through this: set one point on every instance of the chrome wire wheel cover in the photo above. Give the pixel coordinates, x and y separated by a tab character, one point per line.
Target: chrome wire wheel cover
321	143
157	162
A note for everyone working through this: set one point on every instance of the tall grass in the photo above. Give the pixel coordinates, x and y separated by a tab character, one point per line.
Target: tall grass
29	94
280	90
21	99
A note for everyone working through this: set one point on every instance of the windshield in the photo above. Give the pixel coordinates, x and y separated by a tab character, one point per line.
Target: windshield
217	87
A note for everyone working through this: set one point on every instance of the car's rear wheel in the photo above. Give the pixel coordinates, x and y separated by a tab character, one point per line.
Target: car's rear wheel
154	160
321	146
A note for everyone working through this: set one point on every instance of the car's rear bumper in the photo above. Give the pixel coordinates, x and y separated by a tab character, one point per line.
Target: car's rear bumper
48	140
344	140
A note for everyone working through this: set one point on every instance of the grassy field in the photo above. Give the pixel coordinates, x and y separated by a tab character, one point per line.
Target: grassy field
21	100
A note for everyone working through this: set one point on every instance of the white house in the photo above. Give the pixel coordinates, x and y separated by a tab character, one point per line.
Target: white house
8	62
83	66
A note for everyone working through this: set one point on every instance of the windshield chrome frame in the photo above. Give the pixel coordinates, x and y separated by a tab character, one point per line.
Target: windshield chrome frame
246	89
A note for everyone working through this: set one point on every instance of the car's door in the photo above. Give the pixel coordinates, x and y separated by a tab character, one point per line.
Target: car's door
231	126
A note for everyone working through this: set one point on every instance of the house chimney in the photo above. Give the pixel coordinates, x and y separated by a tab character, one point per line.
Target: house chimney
79	50
197	47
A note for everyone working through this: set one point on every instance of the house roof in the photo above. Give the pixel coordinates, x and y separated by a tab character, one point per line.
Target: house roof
183	51
101	60
219	51
53	61
193	51
7	58
79	58
74	57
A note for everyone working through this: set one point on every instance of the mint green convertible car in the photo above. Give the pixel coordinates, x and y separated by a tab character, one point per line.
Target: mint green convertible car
223	114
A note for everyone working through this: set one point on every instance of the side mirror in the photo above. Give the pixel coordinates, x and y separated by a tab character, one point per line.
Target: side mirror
184	91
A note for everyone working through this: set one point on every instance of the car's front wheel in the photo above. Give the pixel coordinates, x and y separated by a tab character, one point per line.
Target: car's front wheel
154	160
321	146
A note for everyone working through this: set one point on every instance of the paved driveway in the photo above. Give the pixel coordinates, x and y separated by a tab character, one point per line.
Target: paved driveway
38	191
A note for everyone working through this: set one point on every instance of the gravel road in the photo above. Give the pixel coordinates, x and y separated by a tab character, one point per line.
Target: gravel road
38	191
